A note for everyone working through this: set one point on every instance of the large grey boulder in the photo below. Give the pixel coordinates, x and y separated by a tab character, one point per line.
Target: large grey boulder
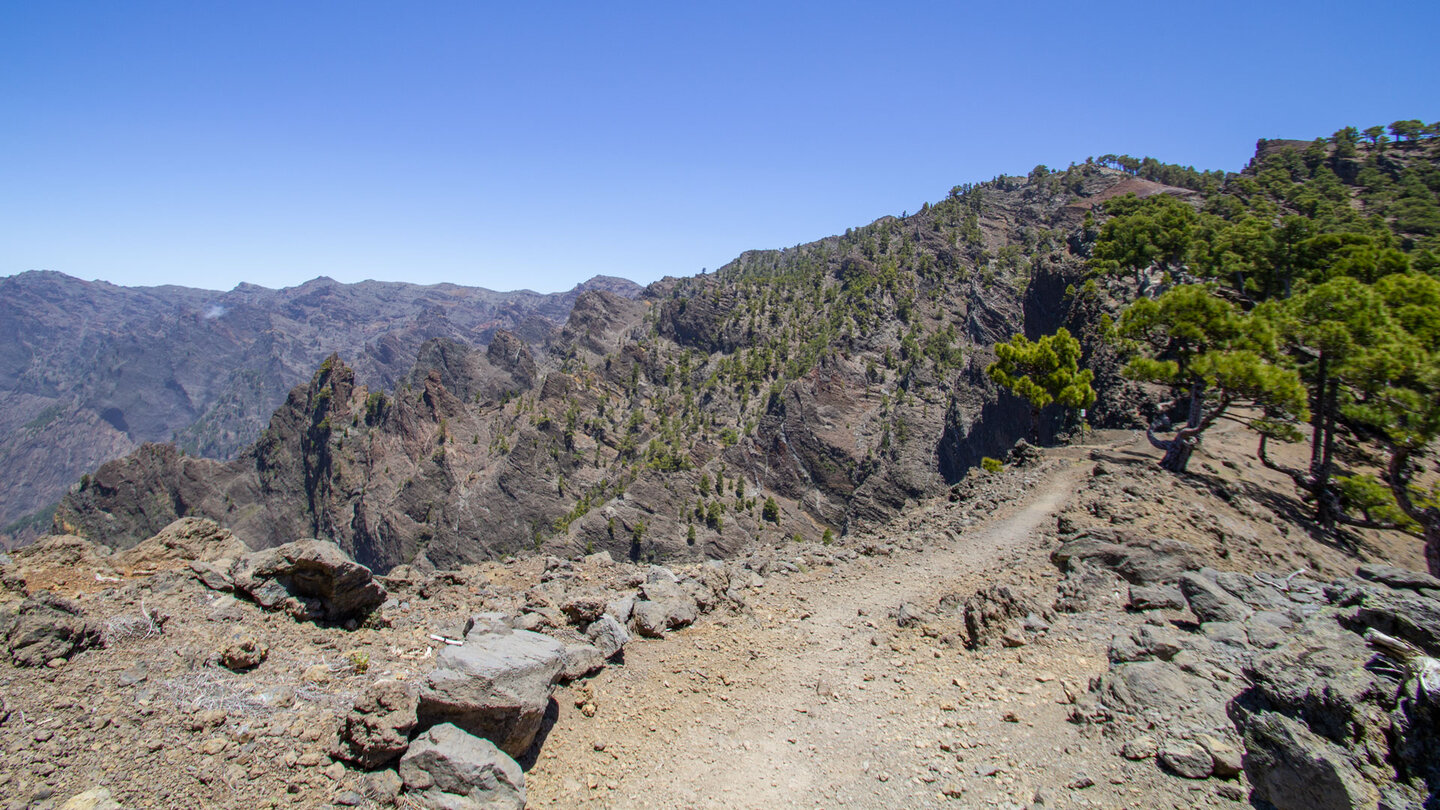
45	627
664	605
377	729
448	769
309	579
496	685
608	635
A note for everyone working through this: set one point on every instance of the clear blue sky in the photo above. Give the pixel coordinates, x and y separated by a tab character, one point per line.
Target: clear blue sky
514	145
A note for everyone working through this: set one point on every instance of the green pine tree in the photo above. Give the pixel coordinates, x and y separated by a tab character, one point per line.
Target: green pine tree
1043	372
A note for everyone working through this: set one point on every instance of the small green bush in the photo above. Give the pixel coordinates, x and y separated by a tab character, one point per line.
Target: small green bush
992	465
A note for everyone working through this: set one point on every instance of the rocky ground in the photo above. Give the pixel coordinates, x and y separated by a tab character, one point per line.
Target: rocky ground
1080	630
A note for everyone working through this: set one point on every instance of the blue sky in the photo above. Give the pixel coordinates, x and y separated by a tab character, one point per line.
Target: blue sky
532	145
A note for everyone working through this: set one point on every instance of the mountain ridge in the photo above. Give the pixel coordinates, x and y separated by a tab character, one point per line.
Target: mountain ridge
90	370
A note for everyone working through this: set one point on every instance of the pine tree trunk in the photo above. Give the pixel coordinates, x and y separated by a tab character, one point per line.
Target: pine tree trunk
1179	449
1317	420
1398	474
1432	541
1177	455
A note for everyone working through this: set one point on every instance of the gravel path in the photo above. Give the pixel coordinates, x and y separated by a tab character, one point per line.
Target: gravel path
818	699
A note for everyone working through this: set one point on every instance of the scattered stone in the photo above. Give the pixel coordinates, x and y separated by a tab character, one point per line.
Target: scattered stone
1186	758
1231	634
247	653
621	609
384	786
665	605
92	799
496	685
1142	747
907	616
1080	782
226	609
212	576
376	731
581	660
1225	757
989	613
1233	792
583	609
448	768
1155	597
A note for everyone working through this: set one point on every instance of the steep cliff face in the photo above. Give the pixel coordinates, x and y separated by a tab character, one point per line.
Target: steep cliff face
792	393
89	371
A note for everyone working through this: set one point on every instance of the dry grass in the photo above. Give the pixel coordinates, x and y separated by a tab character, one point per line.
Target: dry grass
132	627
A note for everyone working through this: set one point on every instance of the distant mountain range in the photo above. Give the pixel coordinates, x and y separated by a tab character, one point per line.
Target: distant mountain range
89	370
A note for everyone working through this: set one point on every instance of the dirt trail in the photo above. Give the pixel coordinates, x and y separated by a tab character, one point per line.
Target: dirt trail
818	699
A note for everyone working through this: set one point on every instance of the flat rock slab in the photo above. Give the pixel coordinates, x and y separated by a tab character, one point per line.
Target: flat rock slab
1212	603
1138	559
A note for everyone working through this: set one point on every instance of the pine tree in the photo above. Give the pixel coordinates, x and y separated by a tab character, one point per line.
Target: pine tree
1201	345
1043	372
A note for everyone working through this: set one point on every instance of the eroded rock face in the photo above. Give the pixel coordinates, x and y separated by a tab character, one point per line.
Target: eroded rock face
310	579
496	685
1294	769
45	627
377	729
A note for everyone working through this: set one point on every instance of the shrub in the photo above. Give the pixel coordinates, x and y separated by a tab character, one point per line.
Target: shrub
992	465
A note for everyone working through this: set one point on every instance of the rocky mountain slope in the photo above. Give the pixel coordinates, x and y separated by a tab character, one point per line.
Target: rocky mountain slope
794	393
89	371
1074	631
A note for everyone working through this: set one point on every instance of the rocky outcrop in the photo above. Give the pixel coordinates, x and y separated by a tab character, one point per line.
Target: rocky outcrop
1138	559
376	731
1276	678
45	628
309	579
